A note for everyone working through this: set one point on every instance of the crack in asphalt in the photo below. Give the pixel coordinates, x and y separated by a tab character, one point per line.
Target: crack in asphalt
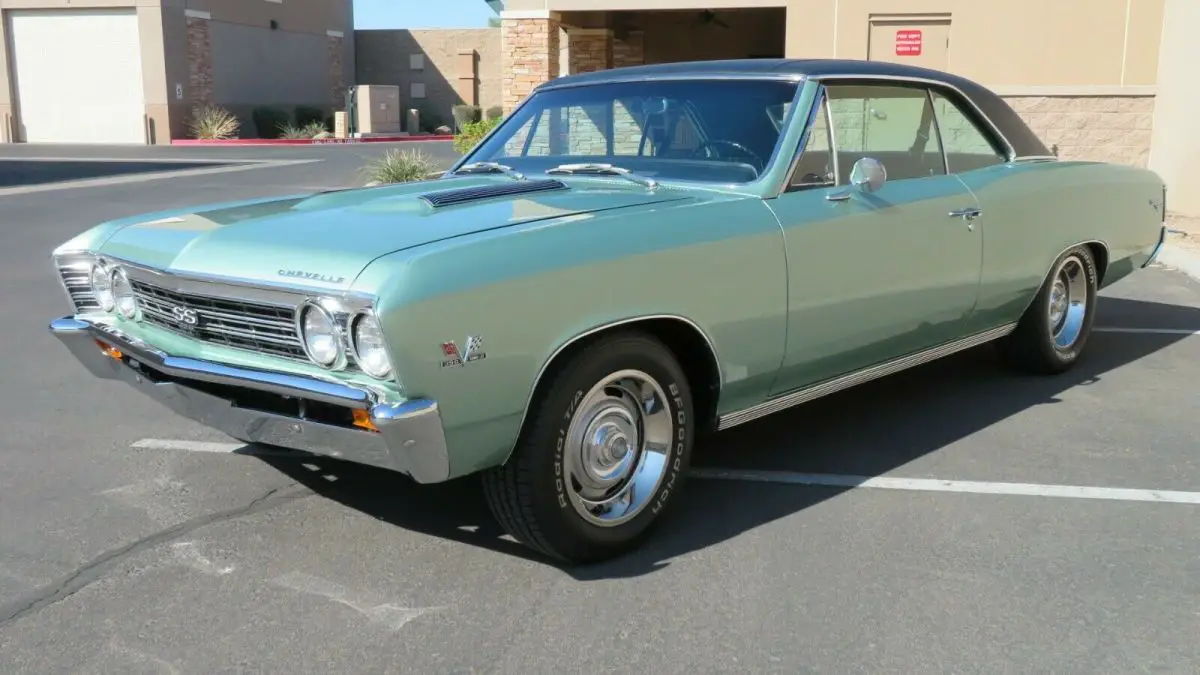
95	569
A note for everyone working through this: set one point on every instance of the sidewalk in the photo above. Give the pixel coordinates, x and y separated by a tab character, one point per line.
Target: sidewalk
1182	249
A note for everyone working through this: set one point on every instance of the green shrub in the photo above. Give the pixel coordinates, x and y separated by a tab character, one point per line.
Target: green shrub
307	114
429	118
210	122
472	133
465	114
309	130
495	112
400	166
269	121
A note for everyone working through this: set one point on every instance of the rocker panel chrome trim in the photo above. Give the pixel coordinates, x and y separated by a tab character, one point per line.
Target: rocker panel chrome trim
859	377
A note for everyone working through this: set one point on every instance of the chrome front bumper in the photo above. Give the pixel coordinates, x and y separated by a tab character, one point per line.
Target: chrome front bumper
408	436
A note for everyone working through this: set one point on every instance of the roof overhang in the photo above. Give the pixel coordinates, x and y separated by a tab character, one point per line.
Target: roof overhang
497	6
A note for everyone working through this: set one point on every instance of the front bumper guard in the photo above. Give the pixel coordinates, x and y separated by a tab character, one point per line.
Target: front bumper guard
410	437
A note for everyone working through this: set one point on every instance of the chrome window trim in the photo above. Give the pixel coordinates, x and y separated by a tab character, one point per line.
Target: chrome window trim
1010	154
668	77
937	130
810	118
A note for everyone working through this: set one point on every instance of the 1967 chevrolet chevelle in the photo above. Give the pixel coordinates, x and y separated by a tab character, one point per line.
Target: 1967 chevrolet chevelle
632	258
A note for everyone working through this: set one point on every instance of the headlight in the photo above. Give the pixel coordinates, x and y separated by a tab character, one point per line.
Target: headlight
102	287
122	292
320	336
367	340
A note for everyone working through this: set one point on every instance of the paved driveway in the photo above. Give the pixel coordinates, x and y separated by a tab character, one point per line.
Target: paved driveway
1007	523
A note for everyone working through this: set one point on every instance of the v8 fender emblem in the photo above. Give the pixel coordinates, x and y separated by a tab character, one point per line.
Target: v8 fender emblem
453	357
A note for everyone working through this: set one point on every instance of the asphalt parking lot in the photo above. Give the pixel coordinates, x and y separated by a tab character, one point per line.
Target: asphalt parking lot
954	518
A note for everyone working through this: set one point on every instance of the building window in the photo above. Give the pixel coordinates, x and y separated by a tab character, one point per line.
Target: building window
416	90
416	62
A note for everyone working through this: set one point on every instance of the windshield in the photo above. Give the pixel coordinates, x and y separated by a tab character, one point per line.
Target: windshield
723	131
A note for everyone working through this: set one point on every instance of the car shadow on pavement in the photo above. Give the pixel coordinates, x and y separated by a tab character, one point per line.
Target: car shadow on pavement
868	431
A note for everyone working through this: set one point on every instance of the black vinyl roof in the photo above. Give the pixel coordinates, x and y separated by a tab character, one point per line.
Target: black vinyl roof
1022	139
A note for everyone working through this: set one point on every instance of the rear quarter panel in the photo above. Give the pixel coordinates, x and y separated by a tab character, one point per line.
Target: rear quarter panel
1033	211
717	260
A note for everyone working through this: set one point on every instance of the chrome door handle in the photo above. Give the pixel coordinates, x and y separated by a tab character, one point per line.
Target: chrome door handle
970	213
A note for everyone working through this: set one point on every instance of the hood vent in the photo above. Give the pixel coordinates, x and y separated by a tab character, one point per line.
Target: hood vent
462	195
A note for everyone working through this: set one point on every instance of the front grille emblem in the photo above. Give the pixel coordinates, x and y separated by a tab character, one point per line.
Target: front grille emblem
186	316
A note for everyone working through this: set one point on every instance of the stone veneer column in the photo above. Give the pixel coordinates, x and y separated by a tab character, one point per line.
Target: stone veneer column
629	52
335	45
529	45
199	53
589	49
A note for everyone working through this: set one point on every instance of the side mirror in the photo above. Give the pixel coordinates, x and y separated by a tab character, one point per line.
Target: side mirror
868	175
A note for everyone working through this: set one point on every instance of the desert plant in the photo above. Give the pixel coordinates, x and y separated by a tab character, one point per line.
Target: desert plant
309	130
304	115
269	121
464	114
211	122
400	166
495	112
472	133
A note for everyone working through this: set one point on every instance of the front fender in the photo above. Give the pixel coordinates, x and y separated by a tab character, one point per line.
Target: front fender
524	293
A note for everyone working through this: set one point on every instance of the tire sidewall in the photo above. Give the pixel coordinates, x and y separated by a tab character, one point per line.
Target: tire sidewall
1064	357
558	517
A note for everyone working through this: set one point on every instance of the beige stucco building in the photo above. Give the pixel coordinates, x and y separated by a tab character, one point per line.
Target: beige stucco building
1096	79
129	71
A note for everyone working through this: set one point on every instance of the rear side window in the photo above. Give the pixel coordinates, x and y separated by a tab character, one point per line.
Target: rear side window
967	147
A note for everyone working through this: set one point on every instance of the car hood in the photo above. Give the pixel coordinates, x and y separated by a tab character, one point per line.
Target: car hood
326	239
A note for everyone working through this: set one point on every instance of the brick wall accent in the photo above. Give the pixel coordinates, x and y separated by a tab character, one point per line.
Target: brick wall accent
630	51
529	56
337	78
589	49
200	69
1104	128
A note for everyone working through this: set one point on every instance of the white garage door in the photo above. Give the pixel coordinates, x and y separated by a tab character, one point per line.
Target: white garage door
78	75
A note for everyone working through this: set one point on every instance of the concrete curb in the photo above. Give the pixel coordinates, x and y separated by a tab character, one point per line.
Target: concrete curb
309	141
1181	259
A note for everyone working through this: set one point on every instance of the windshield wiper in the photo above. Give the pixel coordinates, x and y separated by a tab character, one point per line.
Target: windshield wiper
490	167
604	169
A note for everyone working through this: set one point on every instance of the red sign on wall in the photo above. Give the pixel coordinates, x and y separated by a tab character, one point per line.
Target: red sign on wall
908	43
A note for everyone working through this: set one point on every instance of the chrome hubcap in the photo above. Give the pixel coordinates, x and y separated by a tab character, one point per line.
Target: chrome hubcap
1067	305
617	447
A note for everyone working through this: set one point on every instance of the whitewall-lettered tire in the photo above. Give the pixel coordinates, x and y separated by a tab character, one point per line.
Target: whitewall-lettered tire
605	448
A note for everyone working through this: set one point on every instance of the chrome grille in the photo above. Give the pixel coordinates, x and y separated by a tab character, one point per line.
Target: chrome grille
76	277
259	327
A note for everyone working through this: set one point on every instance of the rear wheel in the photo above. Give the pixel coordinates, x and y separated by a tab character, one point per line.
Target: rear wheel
1055	328
605	449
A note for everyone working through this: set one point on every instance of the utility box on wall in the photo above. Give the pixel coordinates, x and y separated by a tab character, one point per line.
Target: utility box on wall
377	109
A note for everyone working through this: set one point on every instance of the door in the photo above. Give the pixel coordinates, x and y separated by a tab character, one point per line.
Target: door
914	42
78	75
873	276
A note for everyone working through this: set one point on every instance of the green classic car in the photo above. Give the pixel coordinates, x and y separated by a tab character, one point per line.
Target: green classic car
630	259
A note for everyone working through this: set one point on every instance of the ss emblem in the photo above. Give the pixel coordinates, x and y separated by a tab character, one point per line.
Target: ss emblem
185	315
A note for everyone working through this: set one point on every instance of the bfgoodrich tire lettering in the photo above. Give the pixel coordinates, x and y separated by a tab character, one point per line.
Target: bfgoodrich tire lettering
619	410
1052	333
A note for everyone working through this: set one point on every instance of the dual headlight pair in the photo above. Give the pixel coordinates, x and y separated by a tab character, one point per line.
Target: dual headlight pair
112	291
324	345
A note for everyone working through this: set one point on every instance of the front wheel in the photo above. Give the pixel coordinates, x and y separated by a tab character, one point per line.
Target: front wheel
1055	327
605	449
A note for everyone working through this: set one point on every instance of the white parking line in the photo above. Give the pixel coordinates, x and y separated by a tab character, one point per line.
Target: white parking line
938	485
1159	331
207	446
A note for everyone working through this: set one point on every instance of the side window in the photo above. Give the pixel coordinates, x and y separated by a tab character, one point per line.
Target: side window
815	168
889	123
967	147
